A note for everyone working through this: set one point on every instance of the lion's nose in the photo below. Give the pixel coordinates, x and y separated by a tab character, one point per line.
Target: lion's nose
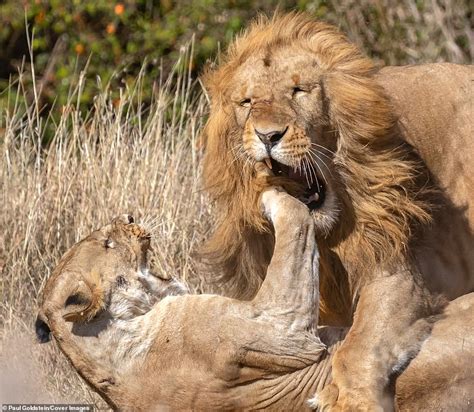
270	138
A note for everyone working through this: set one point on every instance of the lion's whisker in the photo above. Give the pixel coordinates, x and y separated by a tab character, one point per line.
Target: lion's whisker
316	149
239	152
151	222
322	147
248	164
319	167
313	171
146	223
303	162
316	154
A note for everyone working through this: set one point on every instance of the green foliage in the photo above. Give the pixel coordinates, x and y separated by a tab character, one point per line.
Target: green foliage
114	40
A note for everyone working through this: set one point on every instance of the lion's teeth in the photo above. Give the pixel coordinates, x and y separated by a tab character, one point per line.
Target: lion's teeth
268	162
313	198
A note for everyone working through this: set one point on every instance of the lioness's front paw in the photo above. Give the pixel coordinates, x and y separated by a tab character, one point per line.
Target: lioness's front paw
332	399
276	202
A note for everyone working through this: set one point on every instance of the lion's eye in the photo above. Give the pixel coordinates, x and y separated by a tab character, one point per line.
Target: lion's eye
298	91
245	102
109	244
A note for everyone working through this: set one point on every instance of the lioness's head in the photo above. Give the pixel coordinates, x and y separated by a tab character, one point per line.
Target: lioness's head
104	275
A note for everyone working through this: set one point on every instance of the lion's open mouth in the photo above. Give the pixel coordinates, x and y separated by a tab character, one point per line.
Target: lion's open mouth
314	192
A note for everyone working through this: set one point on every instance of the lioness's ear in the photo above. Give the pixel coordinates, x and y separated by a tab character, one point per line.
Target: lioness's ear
83	302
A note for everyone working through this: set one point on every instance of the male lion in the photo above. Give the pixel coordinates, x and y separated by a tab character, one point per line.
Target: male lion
141	348
382	158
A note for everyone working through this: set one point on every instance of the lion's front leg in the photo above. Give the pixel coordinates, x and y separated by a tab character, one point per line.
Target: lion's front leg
389	326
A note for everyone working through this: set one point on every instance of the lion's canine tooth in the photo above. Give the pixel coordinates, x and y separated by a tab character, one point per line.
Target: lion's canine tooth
314	197
268	162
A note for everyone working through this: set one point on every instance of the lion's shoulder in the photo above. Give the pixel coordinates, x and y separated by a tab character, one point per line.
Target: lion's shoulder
433	104
430	97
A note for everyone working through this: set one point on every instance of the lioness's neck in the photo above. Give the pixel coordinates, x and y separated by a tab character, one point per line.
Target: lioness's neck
121	344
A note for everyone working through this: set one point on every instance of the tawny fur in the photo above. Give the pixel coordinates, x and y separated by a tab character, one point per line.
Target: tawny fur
146	350
388	206
379	172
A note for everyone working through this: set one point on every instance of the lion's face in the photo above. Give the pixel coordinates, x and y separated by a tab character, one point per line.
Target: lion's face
279	106
298	95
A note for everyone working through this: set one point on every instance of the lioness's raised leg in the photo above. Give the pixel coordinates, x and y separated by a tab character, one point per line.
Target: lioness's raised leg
385	342
286	306
291	286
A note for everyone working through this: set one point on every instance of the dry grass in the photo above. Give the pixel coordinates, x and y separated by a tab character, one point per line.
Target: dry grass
407	32
114	160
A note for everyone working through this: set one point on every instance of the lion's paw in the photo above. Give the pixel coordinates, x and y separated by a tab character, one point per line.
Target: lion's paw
331	399
326	399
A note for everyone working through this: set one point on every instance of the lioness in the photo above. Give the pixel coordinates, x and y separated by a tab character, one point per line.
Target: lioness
142	343
383	158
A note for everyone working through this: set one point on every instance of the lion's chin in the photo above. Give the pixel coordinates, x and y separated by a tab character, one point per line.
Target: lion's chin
313	189
317	194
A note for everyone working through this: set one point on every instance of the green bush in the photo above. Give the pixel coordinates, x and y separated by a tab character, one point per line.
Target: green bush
114	40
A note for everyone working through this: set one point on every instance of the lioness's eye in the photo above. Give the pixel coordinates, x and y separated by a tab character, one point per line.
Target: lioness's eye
109	244
245	102
298	90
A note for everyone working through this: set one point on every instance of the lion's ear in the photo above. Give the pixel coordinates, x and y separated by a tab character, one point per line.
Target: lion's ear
83	302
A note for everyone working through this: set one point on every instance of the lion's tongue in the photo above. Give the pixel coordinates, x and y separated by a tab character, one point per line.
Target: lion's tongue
311	195
312	188
296	174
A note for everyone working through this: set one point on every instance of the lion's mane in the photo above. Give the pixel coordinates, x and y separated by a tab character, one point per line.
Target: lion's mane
378	177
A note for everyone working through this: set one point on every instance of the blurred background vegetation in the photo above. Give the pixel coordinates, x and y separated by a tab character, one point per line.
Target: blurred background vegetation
114	40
